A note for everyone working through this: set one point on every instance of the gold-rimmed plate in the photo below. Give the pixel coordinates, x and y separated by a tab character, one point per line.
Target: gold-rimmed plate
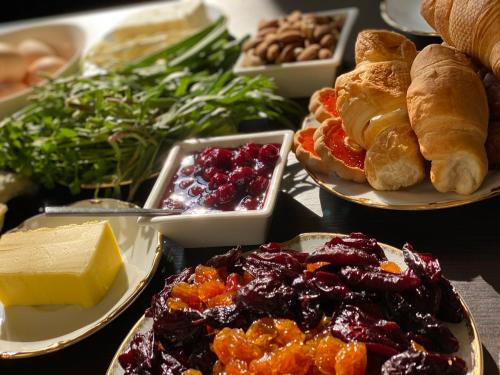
466	331
27	331
405	16
419	197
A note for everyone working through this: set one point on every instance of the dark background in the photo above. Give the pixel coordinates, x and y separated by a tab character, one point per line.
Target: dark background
22	9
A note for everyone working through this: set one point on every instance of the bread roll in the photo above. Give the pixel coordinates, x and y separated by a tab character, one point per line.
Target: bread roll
471	26
371	101
449	113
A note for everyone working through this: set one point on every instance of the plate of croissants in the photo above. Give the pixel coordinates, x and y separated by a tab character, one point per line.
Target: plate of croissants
409	130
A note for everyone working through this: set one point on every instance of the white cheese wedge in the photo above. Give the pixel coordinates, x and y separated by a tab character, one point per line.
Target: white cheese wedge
73	264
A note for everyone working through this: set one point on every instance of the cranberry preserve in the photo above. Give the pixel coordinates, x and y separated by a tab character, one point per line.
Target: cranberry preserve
223	179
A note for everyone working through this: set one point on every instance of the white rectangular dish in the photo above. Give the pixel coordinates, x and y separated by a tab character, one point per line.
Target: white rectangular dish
308	76
220	228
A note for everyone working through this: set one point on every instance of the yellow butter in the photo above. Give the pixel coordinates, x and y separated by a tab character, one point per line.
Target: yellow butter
72	264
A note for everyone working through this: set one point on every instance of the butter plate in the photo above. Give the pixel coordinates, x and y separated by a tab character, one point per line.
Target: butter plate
419	197
466	331
27	331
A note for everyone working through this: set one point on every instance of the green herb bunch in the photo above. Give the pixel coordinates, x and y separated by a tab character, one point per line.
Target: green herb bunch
114	127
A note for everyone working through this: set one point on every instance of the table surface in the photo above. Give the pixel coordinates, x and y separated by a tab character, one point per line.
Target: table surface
465	239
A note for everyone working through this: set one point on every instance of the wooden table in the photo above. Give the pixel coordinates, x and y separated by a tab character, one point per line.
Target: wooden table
465	239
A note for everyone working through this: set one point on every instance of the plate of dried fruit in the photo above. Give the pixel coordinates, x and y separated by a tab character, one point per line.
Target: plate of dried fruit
319	303
27	331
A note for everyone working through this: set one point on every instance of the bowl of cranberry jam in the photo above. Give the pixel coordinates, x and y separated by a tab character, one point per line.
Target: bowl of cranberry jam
226	187
223	179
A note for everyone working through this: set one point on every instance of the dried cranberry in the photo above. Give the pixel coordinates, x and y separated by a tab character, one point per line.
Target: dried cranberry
258	185
241	176
209	172
188	171
219	157
268	154
218	179
196	190
262	169
187	182
227	193
249	203
242	158
211	199
252	148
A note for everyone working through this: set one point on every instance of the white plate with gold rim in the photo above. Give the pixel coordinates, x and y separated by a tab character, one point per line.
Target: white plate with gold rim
466	332
419	197
27	331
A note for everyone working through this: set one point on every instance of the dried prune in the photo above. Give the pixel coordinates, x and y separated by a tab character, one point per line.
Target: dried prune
362	242
139	356
425	265
372	278
423	324
351	323
169	365
267	295
340	254
329	285
264	263
423	363
426	298
175	326
450	308
225	316
226	260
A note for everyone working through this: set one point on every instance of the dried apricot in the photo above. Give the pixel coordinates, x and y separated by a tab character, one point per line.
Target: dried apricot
288	331
202	274
417	347
236	367
326	352
188	293
176	304
262	332
291	359
389	266
210	289
192	372
311	267
223	299
351	360
230	344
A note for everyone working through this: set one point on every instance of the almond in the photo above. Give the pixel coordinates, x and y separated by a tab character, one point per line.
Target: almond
264	24
309	53
251	43
321	30
267	31
327	41
296	15
273	52
286	54
325	53
291	36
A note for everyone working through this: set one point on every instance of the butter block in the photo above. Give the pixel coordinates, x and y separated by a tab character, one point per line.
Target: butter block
71	264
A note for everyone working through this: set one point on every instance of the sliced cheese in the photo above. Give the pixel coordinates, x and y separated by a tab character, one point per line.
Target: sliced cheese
72	264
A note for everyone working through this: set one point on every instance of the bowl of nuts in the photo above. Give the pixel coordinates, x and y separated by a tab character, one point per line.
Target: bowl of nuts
306	46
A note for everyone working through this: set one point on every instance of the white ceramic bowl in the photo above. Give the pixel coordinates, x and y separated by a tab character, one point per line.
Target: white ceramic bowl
301	79
67	40
218	228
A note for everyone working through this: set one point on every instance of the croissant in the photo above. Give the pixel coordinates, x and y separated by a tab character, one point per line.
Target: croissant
449	113
471	26
371	101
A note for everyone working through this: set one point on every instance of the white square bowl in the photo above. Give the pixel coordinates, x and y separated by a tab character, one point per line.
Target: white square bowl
301	79
220	228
